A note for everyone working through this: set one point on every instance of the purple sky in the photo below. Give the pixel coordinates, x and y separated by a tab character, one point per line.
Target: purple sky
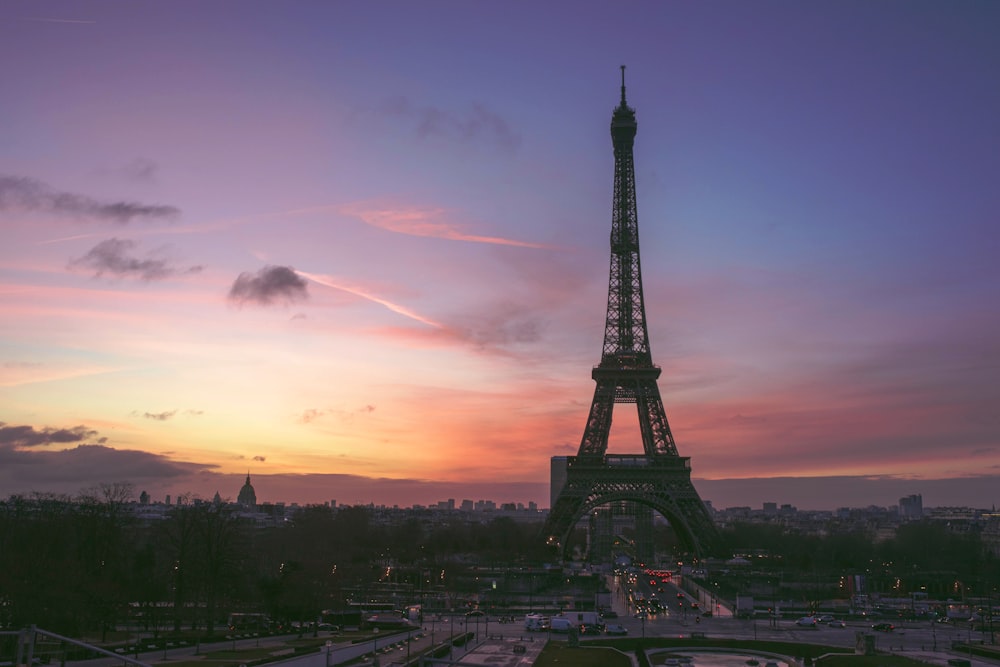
361	248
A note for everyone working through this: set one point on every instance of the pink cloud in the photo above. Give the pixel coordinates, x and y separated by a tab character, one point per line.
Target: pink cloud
430	222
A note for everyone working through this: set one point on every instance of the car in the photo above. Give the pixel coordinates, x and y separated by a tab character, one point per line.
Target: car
836	623
615	629
475	612
825	618
609	614
806	622
883	627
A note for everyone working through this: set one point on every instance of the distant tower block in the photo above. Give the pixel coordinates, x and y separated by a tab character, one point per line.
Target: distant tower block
658	479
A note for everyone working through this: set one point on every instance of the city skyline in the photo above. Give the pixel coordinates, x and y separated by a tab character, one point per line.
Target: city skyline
364	246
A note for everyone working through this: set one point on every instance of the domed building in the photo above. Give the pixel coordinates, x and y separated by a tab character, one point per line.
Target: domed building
247	498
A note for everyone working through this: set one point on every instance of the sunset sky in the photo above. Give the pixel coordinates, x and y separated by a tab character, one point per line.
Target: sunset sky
360	249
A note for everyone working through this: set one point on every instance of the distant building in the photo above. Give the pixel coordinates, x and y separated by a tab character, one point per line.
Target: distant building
911	507
248	497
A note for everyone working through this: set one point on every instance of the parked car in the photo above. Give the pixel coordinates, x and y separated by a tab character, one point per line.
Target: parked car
883	627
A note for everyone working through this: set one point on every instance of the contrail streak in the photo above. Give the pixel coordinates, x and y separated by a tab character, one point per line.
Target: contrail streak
396	308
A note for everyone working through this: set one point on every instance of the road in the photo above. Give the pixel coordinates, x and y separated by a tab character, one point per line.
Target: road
681	618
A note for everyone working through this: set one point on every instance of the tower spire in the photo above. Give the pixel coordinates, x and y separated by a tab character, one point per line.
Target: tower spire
623	86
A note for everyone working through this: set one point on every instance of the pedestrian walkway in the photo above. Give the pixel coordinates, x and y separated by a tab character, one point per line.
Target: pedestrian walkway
498	652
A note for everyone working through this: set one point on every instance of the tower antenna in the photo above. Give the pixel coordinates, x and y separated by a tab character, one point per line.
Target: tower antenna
623	85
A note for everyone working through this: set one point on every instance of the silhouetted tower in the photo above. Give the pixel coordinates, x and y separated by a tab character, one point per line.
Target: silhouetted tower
658	478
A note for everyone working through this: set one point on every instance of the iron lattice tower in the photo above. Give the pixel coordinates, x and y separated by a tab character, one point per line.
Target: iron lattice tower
659	478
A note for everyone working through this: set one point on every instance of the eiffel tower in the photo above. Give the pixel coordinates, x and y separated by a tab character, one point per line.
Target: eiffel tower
659	478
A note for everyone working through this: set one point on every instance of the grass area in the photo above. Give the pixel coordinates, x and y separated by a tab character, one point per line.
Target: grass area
590	655
791	649
880	660
560	654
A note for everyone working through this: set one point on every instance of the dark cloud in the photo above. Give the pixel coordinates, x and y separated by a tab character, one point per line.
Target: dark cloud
26	466
160	416
64	471
476	124
259	458
270	284
28	194
113	256
27	436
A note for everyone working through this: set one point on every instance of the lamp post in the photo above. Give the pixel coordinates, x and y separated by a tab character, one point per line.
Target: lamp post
328	645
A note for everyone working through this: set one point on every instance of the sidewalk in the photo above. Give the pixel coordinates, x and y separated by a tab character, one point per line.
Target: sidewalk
497	652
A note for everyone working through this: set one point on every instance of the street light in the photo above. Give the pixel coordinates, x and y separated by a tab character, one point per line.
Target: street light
328	645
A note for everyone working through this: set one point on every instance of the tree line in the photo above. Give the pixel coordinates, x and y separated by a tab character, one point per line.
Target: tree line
86	565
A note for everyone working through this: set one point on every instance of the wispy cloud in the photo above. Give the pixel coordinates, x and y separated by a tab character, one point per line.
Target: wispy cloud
312	414
475	124
430	222
269	285
138	170
113	256
46	19
28	194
